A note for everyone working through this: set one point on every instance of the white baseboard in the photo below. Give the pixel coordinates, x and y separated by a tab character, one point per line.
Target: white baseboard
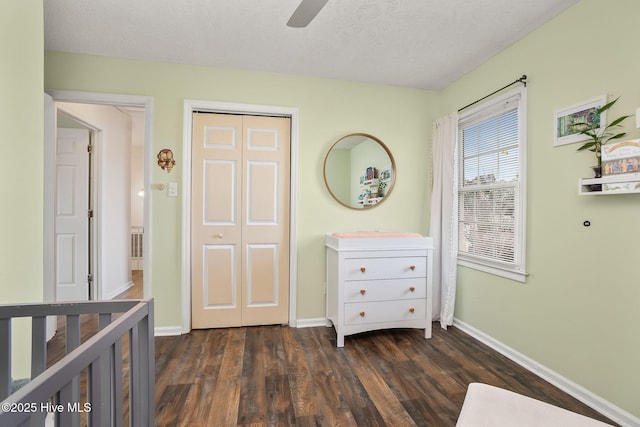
311	323
164	331
114	293
167	331
587	397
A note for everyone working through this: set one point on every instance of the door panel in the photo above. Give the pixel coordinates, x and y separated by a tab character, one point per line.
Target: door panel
240	220
71	221
220	205
262	194
220	274
262	278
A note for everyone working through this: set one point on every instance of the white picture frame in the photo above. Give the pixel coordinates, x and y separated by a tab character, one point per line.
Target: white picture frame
564	118
386	174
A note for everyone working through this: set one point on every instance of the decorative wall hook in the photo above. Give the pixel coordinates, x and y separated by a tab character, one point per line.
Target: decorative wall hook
165	159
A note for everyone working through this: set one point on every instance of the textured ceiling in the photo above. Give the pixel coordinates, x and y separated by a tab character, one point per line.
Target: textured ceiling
414	43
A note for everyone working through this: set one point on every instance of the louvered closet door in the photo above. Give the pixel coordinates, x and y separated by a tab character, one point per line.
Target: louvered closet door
240	220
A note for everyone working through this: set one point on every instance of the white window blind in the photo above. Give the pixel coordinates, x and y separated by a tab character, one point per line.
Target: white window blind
492	184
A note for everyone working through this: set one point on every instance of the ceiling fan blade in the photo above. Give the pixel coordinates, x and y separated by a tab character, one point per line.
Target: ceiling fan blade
306	11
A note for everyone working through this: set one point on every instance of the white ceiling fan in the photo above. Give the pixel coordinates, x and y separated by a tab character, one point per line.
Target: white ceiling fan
306	11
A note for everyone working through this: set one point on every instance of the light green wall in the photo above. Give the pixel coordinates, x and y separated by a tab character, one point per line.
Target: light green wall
578	311
21	135
328	110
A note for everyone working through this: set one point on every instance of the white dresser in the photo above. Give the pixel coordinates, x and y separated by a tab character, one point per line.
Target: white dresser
378	280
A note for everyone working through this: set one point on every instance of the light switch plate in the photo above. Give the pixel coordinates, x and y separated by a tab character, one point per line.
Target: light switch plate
173	189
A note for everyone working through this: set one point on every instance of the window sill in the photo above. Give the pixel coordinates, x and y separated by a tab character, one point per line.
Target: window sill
516	275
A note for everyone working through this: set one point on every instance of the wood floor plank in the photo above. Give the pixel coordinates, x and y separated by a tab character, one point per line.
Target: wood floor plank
324	374
279	401
327	409
168	407
253	405
208	359
300	381
353	393
275	361
225	399
390	408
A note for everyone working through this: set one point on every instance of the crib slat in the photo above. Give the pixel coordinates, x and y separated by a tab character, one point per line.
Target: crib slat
97	415
73	342
147	369
67	396
38	345
117	383
73	332
134	377
5	358
38	358
100	382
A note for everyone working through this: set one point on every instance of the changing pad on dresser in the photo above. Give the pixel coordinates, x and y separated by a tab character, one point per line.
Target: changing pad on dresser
355	240
372	234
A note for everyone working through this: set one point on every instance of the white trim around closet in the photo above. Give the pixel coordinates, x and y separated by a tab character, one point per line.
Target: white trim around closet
191	105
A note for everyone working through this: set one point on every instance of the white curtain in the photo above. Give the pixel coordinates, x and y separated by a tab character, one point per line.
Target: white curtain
444	217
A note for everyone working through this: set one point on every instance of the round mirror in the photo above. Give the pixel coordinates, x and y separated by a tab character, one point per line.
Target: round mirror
359	171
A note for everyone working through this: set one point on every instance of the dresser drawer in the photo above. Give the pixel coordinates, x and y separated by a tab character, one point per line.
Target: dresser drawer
384	268
384	311
388	289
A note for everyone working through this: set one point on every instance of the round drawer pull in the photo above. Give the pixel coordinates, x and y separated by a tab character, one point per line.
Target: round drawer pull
413	267
411	310
363	291
412	289
363	269
362	314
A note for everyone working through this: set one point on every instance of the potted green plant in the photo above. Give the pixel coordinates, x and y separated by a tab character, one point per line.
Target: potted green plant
599	136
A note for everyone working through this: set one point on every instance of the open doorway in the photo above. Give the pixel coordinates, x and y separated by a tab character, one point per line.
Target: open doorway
103	176
118	179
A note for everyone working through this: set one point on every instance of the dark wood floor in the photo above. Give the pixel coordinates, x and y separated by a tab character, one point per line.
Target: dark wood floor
281	376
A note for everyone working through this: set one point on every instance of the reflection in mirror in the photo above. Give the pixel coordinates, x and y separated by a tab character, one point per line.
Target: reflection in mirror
359	171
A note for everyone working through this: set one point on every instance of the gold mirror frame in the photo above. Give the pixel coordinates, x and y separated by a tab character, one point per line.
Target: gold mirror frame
350	139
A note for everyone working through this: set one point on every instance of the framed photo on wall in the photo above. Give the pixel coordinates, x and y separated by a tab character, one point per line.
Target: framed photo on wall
564	120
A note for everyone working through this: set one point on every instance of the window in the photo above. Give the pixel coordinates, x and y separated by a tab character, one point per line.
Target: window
492	185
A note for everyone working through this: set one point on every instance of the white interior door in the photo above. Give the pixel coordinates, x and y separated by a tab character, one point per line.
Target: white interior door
71	204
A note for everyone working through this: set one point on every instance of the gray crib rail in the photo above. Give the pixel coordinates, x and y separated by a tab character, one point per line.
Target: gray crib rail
56	390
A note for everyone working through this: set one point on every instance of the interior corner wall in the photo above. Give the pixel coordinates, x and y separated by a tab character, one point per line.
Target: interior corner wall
21	136
577	313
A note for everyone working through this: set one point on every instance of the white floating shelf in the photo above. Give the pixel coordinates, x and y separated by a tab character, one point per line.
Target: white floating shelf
610	184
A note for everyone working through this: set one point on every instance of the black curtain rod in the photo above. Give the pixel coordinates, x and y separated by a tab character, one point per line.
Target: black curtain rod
522	80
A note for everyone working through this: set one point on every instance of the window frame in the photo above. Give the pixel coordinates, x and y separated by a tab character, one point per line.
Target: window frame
482	112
